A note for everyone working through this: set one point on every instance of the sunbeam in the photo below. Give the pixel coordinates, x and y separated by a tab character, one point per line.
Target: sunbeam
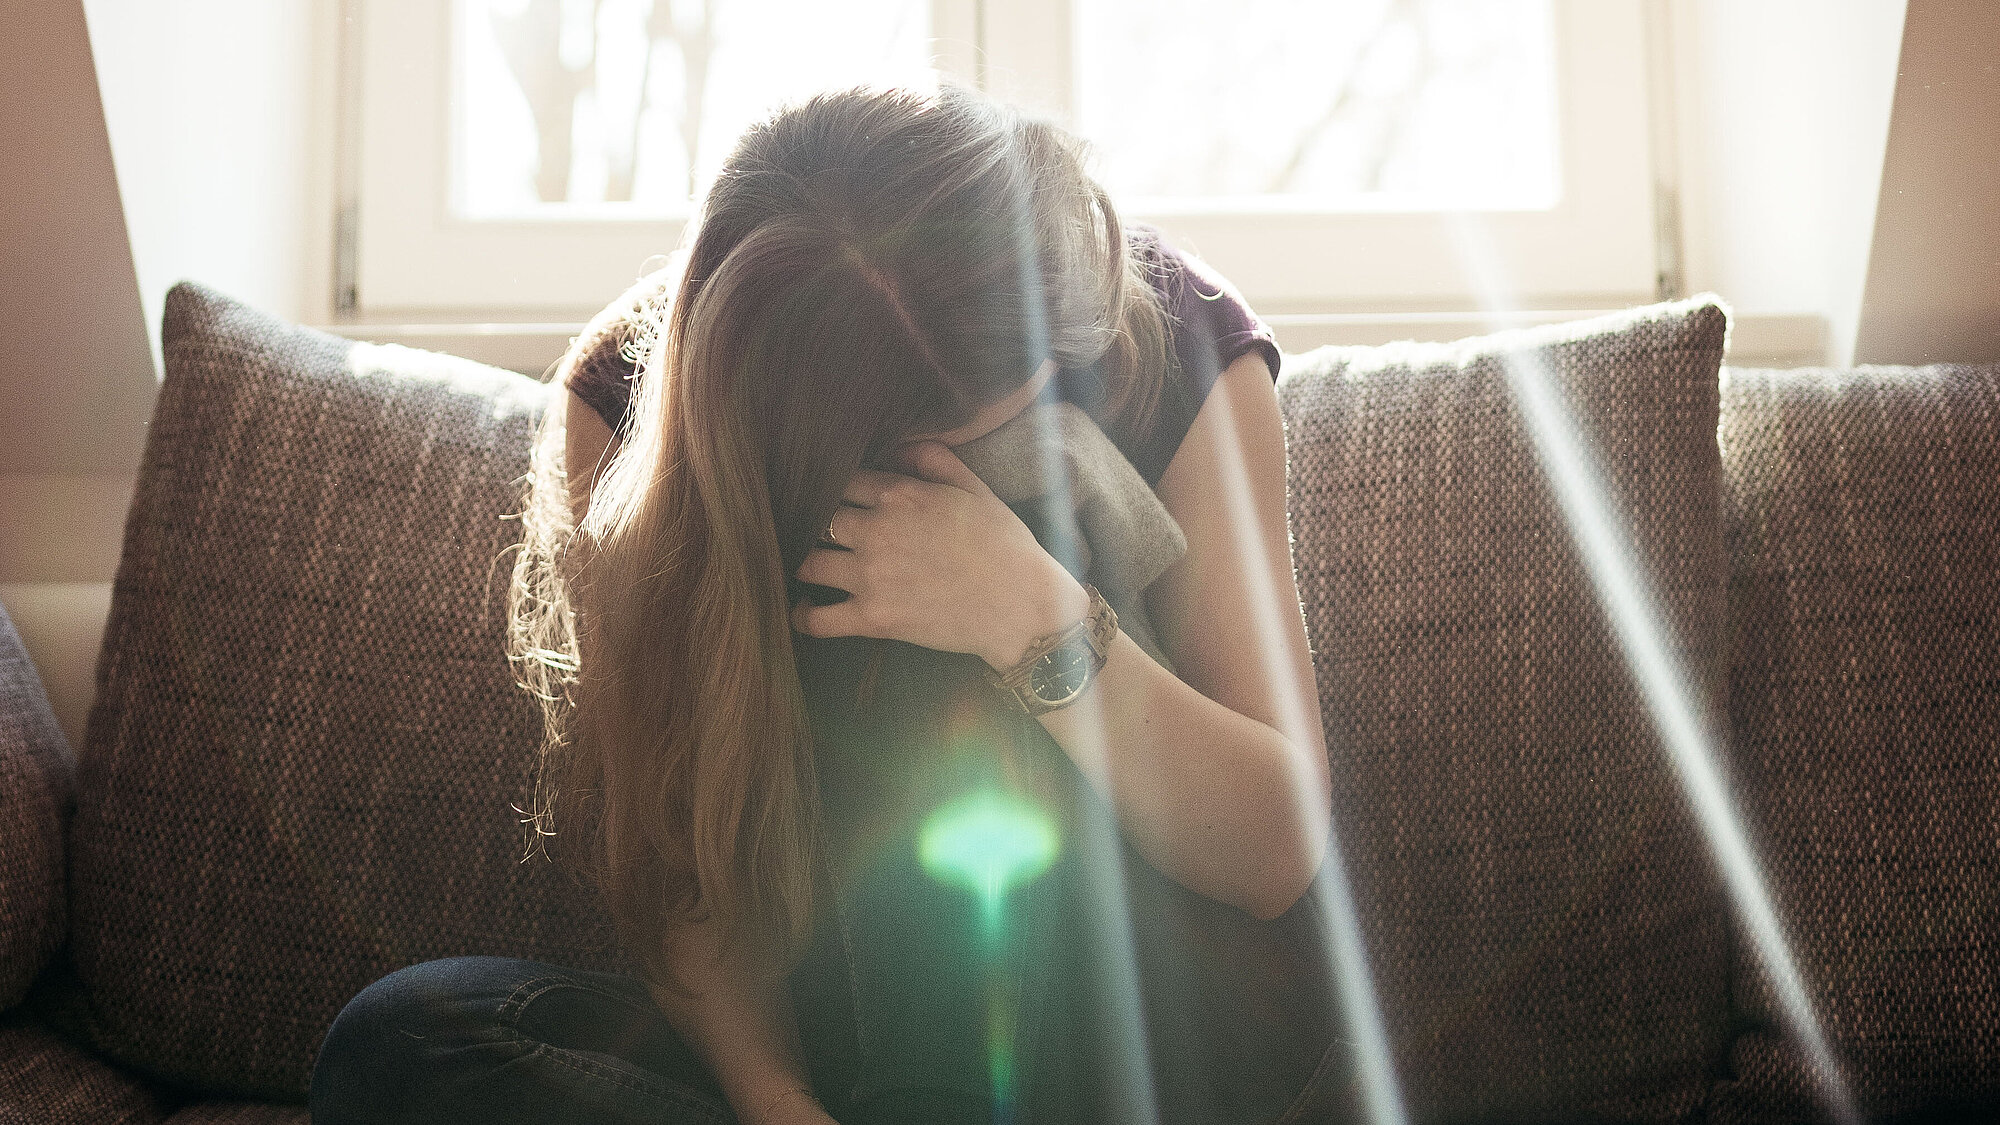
1642	631
1097	857
1095	847
1097	854
1374	1063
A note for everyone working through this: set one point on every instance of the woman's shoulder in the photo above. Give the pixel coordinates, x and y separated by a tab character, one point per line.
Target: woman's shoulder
1208	319
605	357
1209	327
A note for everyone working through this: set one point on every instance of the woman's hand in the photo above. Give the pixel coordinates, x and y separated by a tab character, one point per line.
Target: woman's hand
937	560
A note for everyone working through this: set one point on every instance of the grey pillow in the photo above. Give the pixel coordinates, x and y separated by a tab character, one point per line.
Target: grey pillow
35	797
1117	534
1864	525
1545	934
300	770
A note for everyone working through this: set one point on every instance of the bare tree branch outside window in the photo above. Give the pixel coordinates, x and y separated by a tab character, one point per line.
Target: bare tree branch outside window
1365	103
636	109
1360	102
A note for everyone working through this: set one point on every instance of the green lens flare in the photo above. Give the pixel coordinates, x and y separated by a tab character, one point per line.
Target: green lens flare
1000	1049
987	842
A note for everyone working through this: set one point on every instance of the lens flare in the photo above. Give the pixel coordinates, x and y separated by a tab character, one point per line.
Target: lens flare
987	842
1672	697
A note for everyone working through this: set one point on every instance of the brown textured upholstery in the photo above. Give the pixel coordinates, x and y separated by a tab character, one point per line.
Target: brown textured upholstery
298	771
35	796
1545	933
1864	521
45	1080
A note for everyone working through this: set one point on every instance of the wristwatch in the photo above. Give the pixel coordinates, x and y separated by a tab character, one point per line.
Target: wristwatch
1059	666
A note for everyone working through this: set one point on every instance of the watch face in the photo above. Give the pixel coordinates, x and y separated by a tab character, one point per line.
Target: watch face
1065	671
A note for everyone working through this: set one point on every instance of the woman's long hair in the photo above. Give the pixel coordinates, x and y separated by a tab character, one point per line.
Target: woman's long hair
868	265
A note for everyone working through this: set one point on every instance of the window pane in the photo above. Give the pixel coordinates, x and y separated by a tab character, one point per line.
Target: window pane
623	108
1327	105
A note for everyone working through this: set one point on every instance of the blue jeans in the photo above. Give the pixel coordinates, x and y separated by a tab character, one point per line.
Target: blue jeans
499	1039
495	1040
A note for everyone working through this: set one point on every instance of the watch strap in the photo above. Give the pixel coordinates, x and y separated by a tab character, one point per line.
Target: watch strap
1098	627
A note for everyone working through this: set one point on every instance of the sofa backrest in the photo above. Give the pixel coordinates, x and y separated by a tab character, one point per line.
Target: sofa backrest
1863	512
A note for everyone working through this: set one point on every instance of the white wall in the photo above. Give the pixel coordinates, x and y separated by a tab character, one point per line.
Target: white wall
220	113
1933	291
220	120
1784	115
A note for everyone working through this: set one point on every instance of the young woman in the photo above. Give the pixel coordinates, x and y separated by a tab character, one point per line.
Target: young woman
759	598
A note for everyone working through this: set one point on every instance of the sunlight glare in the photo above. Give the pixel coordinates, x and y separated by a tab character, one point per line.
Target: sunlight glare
1642	631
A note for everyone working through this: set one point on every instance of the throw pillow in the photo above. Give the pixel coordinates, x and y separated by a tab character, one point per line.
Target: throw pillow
301	768
1546	937
35	796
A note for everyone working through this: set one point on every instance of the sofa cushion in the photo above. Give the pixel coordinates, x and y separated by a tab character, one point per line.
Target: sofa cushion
1544	929
1864	525
35	796
46	1080
303	762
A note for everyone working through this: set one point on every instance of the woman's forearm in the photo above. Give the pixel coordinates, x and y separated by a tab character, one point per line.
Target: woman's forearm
1209	796
738	1018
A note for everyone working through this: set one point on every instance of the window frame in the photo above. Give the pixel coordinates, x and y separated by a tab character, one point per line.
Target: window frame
1598	248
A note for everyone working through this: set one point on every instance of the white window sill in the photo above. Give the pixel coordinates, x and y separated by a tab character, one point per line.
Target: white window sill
1756	339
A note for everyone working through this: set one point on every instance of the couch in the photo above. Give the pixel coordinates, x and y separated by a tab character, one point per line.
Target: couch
304	762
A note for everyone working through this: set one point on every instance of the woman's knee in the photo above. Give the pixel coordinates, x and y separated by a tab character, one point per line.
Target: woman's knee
405	1031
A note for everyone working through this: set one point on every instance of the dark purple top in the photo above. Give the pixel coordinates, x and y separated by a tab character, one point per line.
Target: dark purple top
1209	327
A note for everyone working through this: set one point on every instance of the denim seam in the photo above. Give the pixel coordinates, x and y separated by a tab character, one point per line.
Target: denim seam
511	1010
676	1096
525	993
853	996
1311	1089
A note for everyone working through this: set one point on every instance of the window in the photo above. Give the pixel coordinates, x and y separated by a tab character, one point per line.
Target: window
529	155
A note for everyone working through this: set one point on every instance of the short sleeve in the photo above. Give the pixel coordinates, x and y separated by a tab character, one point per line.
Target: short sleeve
1210	326
603	361
1210	317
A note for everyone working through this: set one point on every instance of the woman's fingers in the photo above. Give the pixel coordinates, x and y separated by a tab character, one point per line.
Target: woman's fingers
864	489
841	619
829	566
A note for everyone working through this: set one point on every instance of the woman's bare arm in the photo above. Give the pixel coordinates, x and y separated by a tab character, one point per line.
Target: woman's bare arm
1218	769
739	1019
